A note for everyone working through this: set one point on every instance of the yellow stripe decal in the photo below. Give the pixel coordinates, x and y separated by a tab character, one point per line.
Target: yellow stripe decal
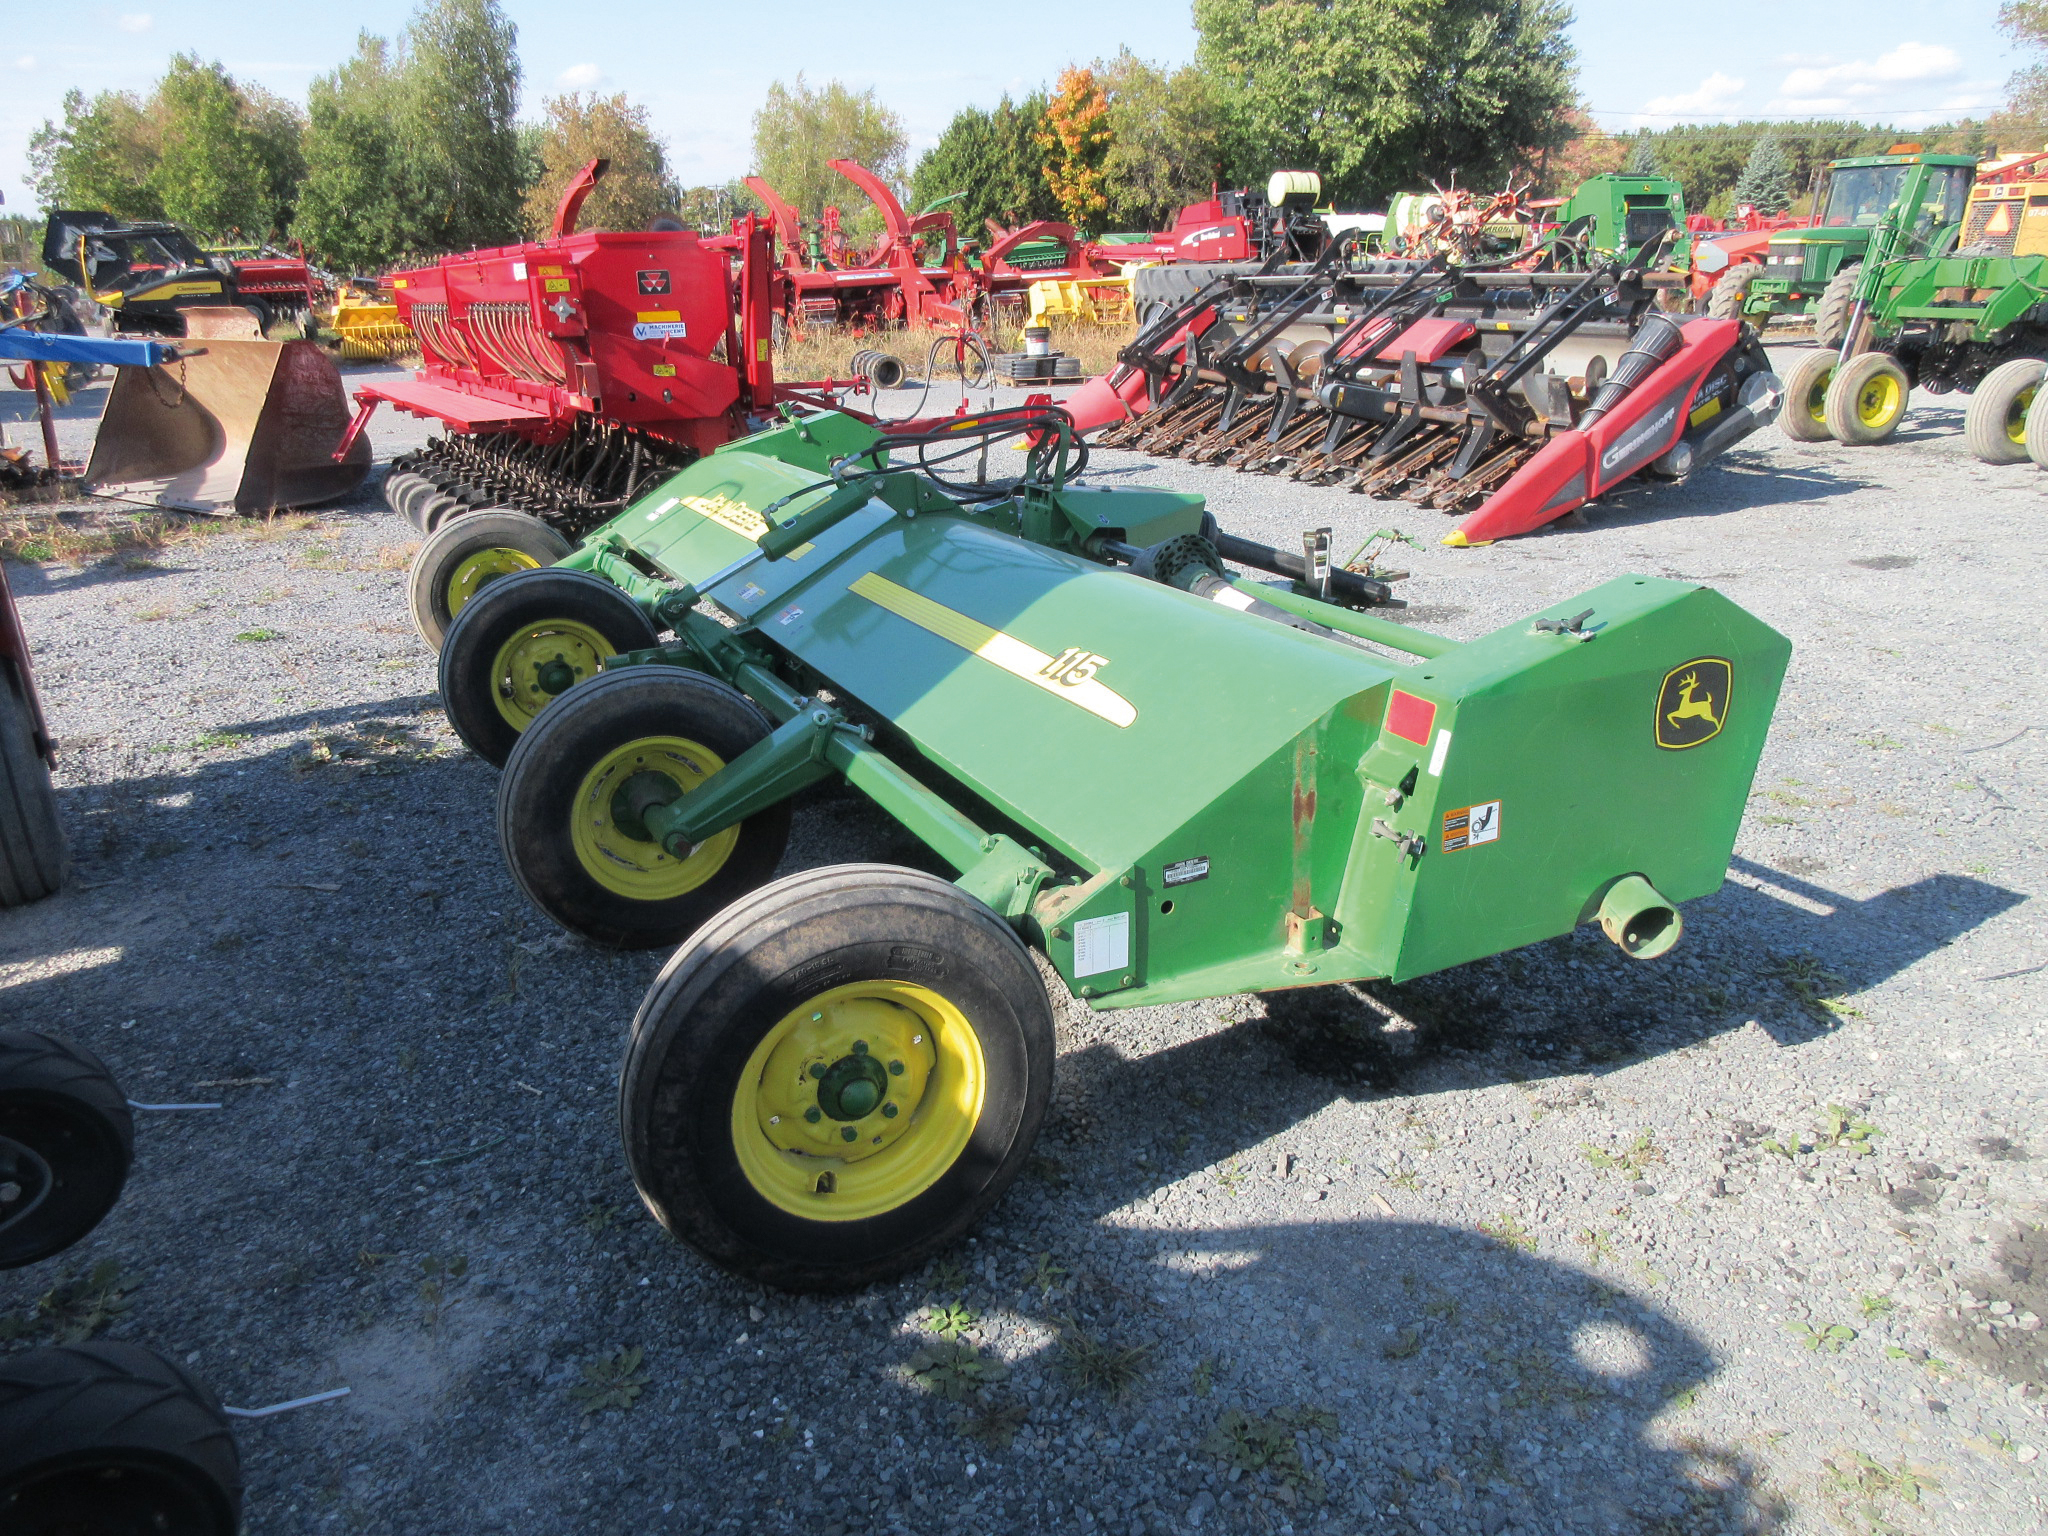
997	648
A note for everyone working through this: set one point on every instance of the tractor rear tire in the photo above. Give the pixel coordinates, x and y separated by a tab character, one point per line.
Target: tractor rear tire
34	857
525	638
106	1439
1995	422
466	554
1831	310
66	1143
2037	429
1804	417
1867	399
1724	299
651	735
739	1094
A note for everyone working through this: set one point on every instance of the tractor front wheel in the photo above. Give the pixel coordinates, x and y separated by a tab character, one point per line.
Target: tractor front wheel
524	639
1867	399
580	782
465	554
836	1077
1831	310
1805	415
2036	428
104	1439
1725	299
66	1141
1995	423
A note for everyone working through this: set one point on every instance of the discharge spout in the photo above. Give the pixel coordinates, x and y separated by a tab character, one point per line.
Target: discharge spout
1639	920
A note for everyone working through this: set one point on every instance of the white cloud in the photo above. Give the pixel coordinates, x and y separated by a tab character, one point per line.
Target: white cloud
580	77
1713	94
136	21
26	61
1839	83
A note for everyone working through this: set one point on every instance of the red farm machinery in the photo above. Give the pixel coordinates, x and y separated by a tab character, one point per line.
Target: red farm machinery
1510	396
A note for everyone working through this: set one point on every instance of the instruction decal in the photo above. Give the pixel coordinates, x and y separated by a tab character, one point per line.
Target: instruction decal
1185	872
1102	944
1692	704
1470	825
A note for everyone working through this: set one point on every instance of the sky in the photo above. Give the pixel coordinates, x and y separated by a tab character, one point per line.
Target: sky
701	69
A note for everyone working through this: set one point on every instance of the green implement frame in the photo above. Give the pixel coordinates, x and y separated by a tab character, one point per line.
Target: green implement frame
1168	796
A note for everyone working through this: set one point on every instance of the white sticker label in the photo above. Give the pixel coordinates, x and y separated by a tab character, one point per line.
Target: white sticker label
1438	753
1102	944
789	615
519	271
659	330
1485	823
751	593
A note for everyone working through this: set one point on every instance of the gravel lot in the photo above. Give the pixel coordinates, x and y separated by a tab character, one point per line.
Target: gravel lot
1556	1242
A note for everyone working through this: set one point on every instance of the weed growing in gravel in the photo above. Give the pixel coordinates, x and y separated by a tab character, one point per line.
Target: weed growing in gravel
1832	1339
1837	1128
1817	988
1504	1228
1203	1382
1874	1490
949	1321
437	1275
947	1275
1934	1367
1093	1366
1403	1178
1231	1179
995	1425
953	1369
1252	1443
75	1308
1875	1305
1879	743
1046	1274
599	1216
611	1381
257	636
1600	1247
212	741
1403	1344
1630	1160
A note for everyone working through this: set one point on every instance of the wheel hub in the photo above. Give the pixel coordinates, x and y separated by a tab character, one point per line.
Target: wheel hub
638	794
542	661
849	1079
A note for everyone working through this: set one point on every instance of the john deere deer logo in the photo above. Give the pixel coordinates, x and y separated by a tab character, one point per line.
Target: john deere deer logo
1692	706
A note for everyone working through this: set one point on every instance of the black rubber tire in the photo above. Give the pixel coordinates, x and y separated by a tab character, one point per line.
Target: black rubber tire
1724	299
744	971
2037	429
1831	309
428	584
105	1439
469	650
435	507
58	1100
538	795
414	494
34	856
399	485
2003	393
1846	420
1804	416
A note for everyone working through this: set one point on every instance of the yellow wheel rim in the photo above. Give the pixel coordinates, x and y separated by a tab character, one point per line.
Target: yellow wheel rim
1878	401
1817	397
859	1101
486	565
614	846
540	661
2016	416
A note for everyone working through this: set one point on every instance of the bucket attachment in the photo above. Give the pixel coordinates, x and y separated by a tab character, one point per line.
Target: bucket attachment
238	424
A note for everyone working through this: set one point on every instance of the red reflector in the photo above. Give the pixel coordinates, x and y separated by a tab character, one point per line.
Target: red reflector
1410	717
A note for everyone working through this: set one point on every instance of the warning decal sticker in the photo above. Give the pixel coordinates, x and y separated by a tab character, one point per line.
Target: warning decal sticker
1470	825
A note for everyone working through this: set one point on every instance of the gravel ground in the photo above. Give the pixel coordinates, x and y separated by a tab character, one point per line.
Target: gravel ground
1556	1242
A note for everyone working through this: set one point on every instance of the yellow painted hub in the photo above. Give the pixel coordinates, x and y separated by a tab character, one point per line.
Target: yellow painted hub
486	565
1879	400
1817	397
2016	416
540	661
611	844
894	1064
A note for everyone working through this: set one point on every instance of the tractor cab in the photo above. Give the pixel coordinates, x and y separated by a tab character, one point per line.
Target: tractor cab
1906	200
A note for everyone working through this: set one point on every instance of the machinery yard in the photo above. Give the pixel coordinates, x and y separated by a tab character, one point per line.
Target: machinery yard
1743	1239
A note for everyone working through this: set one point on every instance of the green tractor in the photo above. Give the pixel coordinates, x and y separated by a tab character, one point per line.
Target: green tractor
1966	311
1874	207
1136	776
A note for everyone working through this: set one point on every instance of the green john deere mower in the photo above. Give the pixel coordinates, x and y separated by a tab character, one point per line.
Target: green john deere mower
1169	781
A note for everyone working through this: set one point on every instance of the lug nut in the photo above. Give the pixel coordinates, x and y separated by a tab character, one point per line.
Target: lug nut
848	1133
888	1111
895	1069
814	1114
817	1069
860	1047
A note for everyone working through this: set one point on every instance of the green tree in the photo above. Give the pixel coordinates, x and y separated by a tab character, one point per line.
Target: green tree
2026	23
223	160
1642	156
1377	94
1165	140
348	210
637	188
99	156
993	158
459	166
1766	180
799	129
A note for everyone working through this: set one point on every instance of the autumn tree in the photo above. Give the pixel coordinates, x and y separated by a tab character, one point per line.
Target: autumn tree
1588	152
1075	141
1165	140
799	130
637	188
